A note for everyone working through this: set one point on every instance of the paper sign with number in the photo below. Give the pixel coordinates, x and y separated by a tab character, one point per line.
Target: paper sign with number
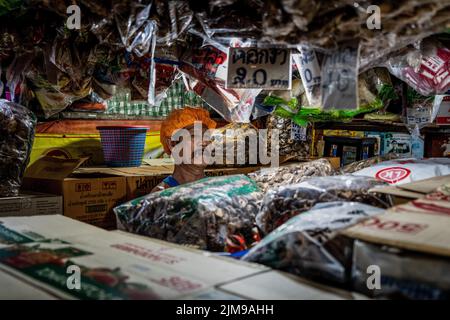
340	78
259	68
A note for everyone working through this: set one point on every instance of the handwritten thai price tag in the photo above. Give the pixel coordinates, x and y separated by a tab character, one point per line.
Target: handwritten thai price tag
340	78
309	69
259	68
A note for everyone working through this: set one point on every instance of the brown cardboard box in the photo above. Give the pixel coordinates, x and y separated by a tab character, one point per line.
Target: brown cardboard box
141	180
420	225
87	197
29	204
404	193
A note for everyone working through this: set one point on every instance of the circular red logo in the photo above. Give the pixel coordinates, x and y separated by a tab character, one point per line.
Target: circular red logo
393	174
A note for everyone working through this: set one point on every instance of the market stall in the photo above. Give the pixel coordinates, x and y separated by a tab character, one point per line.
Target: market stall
210	150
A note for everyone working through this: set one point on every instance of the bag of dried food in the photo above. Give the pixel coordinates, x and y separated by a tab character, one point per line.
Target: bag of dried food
282	203
215	214
359	165
17	125
267	178
235	141
309	244
294	141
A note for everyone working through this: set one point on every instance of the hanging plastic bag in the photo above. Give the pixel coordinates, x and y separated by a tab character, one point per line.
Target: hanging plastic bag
215	214
17	125
426	69
206	70
282	203
309	245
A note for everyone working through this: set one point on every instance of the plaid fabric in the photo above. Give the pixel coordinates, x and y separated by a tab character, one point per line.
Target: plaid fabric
123	147
177	98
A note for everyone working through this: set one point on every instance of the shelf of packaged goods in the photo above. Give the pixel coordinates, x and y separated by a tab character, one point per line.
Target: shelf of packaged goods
362	125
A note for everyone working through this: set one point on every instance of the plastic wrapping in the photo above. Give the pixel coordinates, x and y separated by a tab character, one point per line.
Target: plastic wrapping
290	174
216	214
229	138
407	170
17	126
282	203
206	71
404	274
359	165
294	141
309	245
426	69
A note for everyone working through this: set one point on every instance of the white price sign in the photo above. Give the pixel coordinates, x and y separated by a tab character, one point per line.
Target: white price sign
259	68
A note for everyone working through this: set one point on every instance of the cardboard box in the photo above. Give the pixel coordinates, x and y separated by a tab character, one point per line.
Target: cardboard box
87	197
145	268
28	204
420	225
404	193
140	181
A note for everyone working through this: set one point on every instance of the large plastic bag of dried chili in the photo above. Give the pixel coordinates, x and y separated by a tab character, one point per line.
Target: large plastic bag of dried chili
17	125
282	203
215	214
309	244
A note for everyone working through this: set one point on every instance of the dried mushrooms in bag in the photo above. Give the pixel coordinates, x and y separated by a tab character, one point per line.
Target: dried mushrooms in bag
359	165
215	214
235	141
294	140
290	174
282	203
17	125
309	245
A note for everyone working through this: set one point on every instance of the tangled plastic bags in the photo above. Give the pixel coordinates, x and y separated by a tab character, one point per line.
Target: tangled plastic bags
16	139
282	203
309	245
216	214
206	70
407	170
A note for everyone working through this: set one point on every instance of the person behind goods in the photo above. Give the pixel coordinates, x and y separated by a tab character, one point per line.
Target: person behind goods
184	118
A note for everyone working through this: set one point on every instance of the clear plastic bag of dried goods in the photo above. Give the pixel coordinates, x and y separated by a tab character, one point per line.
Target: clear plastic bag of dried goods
404	274
17	125
294	140
309	244
359	165
425	68
290	174
215	214
282	203
237	143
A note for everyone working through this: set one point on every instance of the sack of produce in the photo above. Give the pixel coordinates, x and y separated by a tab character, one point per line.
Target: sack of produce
17	125
282	203
404	274
234	141
359	165
309	245
294	141
407	170
215	214
267	178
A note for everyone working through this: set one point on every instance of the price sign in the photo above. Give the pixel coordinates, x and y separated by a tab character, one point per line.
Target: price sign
340	78
309	68
258	68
